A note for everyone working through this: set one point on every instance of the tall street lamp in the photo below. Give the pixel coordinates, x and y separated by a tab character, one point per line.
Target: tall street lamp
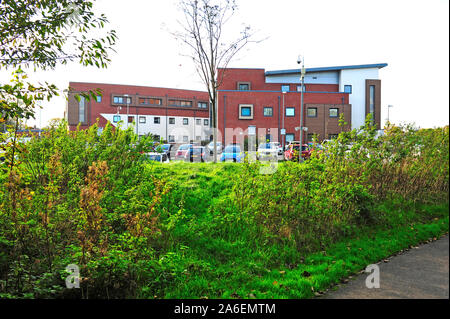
128	110
301	60
283	130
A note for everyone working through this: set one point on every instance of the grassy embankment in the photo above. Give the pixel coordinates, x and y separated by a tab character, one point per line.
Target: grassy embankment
237	267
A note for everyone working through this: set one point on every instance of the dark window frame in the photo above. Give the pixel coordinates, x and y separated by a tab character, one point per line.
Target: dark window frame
142	120
157	120
348	86
115	117
185	121
333	108
311	108
173	102
170	120
289	108
206	104
244	83
264	111
246	117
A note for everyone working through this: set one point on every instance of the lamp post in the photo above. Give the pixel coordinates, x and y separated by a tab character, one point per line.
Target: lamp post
302	79
283	130
128	110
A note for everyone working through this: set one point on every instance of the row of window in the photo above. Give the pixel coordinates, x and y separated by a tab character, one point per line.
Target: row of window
156	101
246	112
291	136
245	86
157	120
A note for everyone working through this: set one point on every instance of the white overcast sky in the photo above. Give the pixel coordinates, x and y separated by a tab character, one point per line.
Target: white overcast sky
411	36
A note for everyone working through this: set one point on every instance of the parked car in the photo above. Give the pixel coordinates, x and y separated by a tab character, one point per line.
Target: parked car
197	154
266	150
233	153
181	152
218	147
157	157
278	147
167	148
291	154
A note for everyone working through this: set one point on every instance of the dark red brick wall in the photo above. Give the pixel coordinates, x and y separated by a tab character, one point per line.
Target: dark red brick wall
106	106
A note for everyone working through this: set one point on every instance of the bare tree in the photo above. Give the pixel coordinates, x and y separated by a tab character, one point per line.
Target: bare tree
202	33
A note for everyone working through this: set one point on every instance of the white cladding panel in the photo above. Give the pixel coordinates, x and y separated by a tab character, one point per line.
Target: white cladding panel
331	77
357	79
178	130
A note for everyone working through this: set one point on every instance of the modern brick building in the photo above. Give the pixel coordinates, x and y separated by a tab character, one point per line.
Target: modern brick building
250	102
253	101
177	116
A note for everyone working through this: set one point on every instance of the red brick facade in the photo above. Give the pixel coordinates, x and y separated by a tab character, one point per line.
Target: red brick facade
269	95
107	105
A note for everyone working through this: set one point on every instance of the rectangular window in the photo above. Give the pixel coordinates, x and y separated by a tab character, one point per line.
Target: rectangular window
334	112
289	137
156	138
285	88
157	120
246	112
121	100
203	105
171	120
171	138
142	119
130	119
268	111
372	101
180	103
312	112
206	122
116	118
185	121
149	101
290	111
185	138
347	89
98	98
332	136
82	110
310	137
198	121
243	86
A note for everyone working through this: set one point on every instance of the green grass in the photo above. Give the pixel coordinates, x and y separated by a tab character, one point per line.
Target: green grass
218	265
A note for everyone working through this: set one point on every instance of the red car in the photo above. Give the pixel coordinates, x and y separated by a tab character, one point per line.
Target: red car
291	154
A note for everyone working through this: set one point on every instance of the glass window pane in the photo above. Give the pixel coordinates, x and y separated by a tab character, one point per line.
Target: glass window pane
334	112
290	111
312	112
246	111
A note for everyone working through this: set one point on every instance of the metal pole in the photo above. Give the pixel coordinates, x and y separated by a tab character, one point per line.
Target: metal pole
282	124
302	76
